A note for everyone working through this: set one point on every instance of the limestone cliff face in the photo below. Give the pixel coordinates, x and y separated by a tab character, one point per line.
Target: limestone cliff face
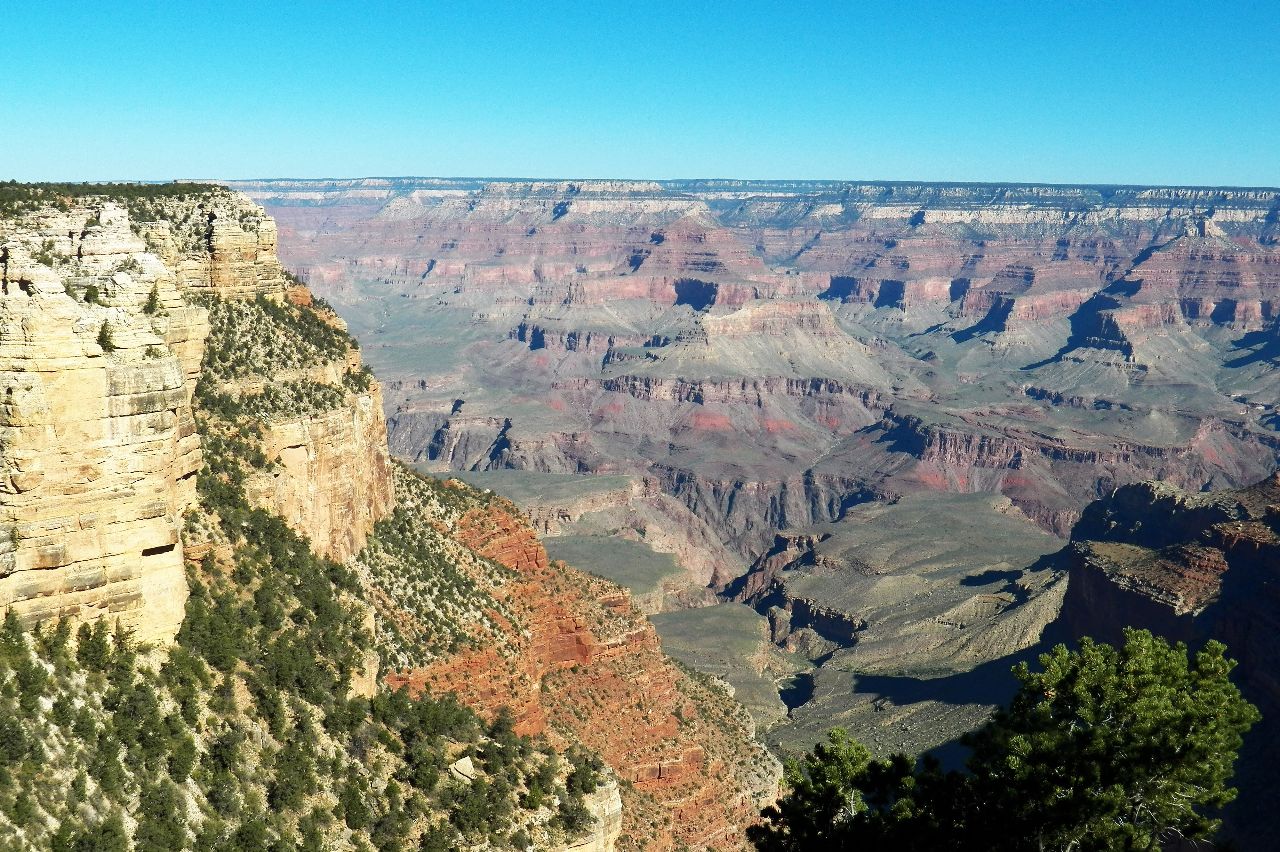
605	805
221	244
97	444
333	481
100	350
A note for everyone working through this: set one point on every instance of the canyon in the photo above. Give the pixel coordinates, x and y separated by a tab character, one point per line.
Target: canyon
659	473
872	413
160	366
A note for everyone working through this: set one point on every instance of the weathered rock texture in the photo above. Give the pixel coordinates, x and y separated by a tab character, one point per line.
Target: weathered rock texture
99	352
772	352
605	805
333	480
97	442
585	666
1189	566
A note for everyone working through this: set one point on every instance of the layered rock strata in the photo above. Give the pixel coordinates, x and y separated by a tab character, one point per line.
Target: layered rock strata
586	665
729	339
100	349
333	477
98	449
1189	566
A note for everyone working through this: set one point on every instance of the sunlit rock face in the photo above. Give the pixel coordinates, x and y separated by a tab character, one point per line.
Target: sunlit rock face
99	450
100	349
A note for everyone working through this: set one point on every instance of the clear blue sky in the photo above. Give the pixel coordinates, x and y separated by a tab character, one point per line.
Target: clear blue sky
1126	91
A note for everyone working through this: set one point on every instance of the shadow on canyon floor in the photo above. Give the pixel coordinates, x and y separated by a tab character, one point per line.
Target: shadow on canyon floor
990	683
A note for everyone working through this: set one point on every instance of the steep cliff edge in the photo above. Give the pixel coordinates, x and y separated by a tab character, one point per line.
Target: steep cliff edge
191	451
1191	566
1194	567
100	349
97	439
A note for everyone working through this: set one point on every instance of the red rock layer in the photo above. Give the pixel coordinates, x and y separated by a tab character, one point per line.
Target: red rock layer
586	664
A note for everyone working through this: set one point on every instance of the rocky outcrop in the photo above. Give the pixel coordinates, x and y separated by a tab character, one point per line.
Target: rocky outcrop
588	666
1193	567
219	243
97	442
333	479
605	806
1190	566
100	349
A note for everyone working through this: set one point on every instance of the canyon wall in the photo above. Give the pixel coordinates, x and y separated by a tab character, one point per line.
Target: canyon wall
1188	566
1193	567
737	340
587	667
99	449
333	480
100	349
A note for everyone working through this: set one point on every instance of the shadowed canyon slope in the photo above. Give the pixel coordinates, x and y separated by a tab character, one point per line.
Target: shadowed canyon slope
777	369
1193	567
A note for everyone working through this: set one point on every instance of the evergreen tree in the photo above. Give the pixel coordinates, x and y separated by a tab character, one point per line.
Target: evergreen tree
1103	749
1106	748
160	821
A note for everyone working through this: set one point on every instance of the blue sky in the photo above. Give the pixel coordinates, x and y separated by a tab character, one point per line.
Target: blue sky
1119	92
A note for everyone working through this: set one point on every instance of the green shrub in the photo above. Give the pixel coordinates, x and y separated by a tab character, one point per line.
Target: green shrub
105	338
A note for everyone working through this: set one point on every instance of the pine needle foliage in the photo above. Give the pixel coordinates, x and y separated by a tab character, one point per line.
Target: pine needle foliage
1102	748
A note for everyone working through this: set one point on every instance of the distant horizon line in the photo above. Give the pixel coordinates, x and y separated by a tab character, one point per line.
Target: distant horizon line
481	179
731	180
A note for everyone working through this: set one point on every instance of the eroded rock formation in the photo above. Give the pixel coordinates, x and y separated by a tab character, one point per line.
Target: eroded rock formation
588	666
1193	567
333	480
731	340
99	449
99	352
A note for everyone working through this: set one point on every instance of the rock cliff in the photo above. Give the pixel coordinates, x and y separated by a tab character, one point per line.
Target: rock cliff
333	479
1190	566
103	338
99	449
1193	567
140	326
